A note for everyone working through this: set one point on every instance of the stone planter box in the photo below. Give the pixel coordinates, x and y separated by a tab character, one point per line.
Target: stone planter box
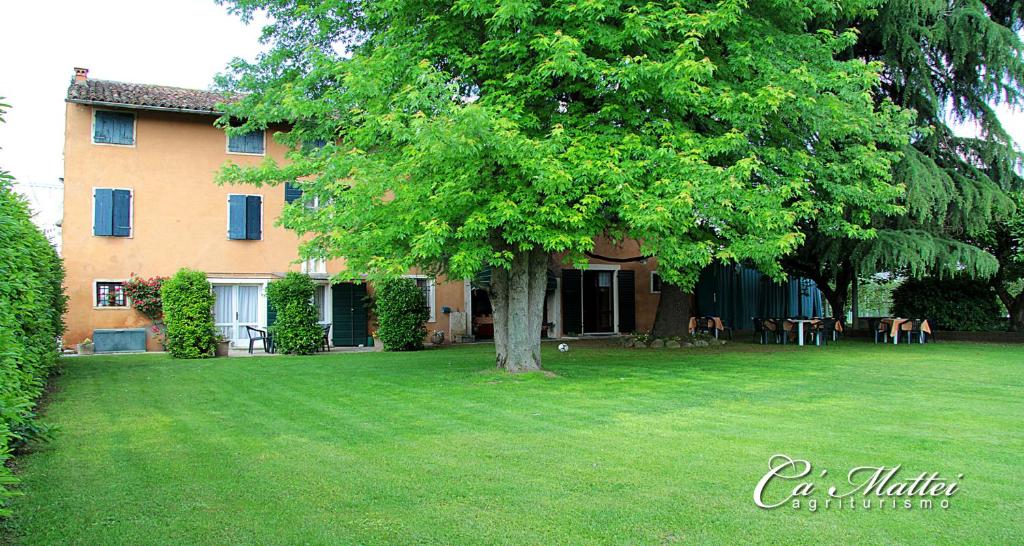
119	340
223	347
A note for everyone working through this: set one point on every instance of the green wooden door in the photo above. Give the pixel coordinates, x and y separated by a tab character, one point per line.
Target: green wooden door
348	308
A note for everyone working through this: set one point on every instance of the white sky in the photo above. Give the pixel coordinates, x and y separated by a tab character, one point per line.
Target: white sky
180	42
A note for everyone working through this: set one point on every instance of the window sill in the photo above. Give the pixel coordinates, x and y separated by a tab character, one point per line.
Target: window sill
110	308
254	154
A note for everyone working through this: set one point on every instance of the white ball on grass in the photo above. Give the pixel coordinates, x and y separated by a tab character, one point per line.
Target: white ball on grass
563	347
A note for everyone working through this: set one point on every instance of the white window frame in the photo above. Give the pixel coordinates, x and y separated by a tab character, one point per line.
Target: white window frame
314	266
96	304
651	285
432	298
328	305
131	214
227	146
227	216
135	128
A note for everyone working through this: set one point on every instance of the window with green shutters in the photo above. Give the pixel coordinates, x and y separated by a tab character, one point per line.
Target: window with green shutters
112	212
245	217
292	192
247	143
110	127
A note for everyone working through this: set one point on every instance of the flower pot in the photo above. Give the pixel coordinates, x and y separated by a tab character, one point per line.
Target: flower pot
223	347
84	349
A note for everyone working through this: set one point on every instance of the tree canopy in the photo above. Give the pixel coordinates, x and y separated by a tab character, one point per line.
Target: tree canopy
952	63
470	133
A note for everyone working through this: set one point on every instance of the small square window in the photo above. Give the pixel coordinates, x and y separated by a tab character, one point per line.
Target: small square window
111	127
247	143
110	294
655	282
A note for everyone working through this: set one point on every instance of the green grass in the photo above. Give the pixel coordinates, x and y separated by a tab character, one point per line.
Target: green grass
618	446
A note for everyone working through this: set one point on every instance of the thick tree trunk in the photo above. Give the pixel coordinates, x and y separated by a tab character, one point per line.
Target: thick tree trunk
673	315
1017	314
1015	306
836	300
517	297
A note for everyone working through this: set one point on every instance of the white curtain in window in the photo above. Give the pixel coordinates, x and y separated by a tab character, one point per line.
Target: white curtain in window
319	298
222	312
248	304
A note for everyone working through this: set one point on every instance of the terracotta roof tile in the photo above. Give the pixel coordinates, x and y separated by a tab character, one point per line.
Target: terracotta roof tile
145	96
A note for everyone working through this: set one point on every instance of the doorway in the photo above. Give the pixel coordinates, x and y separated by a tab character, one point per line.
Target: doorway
348	310
236	307
598	302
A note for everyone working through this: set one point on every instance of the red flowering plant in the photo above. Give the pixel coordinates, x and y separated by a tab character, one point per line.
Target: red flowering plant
145	295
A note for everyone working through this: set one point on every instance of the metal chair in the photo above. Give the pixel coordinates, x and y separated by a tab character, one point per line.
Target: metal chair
760	332
880	330
788	327
255	334
829	327
817	332
912	328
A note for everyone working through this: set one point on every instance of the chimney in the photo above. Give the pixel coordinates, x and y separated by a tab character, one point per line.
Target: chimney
81	74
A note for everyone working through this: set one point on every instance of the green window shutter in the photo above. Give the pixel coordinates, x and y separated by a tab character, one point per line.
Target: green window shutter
271	314
248	143
627	301
292	192
114	128
572	301
103	213
236	217
253	218
122	226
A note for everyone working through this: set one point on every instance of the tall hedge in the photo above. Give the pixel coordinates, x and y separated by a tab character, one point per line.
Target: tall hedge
188	315
32	305
295	329
952	304
402	315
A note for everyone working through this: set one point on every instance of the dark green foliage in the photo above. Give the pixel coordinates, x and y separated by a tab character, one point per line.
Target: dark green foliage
32	307
951	62
188	315
952	304
295	330
402	314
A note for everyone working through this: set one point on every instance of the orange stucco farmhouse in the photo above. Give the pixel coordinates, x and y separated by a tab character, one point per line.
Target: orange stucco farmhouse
140	198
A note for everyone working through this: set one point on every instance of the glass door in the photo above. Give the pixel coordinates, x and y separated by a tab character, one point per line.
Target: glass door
237	306
224	310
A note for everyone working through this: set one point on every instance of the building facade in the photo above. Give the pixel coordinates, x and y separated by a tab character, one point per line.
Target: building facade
140	198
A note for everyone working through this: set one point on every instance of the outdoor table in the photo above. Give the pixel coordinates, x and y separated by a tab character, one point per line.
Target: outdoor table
895	324
800	328
719	326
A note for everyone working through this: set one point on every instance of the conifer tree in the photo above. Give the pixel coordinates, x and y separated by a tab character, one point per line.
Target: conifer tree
951	62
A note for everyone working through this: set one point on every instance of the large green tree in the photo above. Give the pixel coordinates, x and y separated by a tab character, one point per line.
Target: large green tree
467	133
952	62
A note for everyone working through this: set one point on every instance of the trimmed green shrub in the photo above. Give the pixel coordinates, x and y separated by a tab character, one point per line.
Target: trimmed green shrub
32	305
188	315
952	304
402	315
295	330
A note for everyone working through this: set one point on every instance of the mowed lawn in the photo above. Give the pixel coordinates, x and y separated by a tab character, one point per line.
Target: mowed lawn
613	446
